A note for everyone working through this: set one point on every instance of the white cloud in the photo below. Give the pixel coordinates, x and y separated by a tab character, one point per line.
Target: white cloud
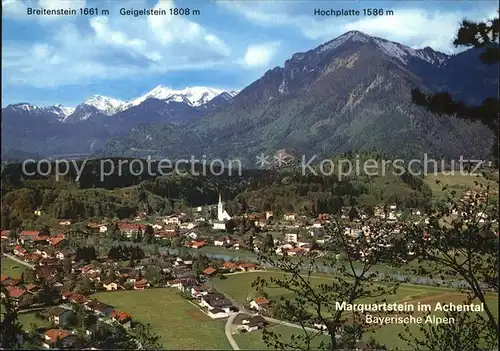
104	33
259	55
13	8
169	29
17	9
113	47
414	27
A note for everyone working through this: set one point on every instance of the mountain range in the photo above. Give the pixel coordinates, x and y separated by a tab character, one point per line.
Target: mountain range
61	130
349	94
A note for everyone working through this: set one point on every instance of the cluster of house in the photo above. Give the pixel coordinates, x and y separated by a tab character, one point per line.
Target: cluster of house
61	316
50	248
171	227
16	290
215	304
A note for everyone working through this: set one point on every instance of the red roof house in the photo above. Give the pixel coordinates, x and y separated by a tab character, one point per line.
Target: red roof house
14	292
209	271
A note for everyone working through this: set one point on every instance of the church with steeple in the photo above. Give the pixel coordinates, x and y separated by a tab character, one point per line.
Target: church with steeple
222	216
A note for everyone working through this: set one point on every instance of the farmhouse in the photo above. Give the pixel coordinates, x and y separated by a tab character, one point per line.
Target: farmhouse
175	283
141	284
171	229
121	317
198	244
130	228
209	271
59	315
219	225
218	242
173	220
66	254
28	235
99	308
188	225
216	300
252	323
74	297
296	251
229	266
247	267
53	336
216	313
259	304
20	251
193	235
110	286
183	272
56	241
199	290
15	293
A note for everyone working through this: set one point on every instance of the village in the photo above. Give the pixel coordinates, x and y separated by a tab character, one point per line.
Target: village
64	273
47	287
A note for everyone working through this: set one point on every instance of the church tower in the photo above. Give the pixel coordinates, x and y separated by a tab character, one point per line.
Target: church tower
220	209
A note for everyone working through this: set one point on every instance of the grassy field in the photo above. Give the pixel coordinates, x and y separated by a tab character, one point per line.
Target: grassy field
238	287
458	182
389	334
253	340
12	268
180	324
27	319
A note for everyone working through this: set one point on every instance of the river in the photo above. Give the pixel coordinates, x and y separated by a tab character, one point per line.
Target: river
388	274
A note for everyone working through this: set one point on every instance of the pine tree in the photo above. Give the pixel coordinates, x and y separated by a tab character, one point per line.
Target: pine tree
10	328
476	35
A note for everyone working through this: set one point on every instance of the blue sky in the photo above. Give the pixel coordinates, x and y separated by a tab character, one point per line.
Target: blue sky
65	59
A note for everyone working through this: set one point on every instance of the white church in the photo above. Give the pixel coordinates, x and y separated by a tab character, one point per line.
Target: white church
222	216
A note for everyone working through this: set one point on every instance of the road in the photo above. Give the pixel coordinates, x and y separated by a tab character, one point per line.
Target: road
291	325
14	258
383	272
228	329
242	309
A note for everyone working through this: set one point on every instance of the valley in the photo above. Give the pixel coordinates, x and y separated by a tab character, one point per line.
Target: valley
334	97
271	176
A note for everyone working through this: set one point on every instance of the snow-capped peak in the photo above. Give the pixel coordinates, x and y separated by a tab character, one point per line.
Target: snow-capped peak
61	111
106	105
352	35
193	96
200	95
66	111
24	107
403	53
400	52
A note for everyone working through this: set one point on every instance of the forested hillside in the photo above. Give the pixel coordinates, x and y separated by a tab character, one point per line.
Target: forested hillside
122	196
